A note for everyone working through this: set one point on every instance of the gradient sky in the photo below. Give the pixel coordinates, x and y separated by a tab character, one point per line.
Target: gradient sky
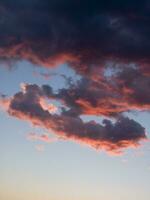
90	62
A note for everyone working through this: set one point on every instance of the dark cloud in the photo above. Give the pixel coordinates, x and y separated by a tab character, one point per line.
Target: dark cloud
112	137
82	33
134	85
127	90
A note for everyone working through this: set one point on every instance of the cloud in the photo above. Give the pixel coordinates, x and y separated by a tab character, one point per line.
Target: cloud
44	137
91	37
112	137
83	34
134	85
127	90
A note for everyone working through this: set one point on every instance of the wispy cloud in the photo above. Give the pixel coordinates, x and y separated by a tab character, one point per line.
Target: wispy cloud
43	137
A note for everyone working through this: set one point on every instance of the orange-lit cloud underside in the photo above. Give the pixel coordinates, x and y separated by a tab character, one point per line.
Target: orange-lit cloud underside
112	138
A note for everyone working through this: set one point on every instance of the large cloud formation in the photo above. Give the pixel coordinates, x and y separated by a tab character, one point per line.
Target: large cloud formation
106	42
83	33
111	137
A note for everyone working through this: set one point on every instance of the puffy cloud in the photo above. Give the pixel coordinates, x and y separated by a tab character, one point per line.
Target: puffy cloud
112	137
127	90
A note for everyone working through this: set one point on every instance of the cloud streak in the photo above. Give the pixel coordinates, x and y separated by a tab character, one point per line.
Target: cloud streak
43	138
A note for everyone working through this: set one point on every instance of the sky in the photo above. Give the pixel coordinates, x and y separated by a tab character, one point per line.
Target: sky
74	100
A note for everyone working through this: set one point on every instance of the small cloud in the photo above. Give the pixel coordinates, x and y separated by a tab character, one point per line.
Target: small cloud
44	137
